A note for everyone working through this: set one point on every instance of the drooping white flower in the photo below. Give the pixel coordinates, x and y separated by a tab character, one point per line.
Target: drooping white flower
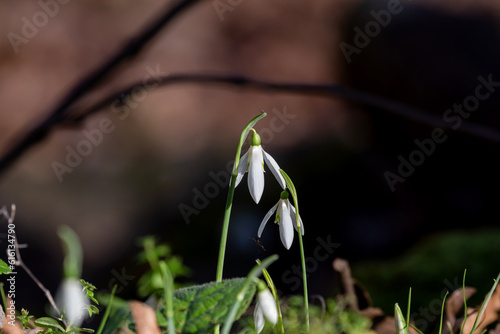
72	301
285	217
265	308
253	162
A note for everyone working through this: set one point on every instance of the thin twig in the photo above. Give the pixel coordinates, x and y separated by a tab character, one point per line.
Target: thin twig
329	90
19	261
75	116
90	81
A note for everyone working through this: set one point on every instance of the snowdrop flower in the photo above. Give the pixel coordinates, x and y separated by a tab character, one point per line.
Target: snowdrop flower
72	301
285	217
253	161
265	307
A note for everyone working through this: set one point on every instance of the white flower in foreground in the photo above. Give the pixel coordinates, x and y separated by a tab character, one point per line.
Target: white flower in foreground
72	301
285	217
253	161
265	307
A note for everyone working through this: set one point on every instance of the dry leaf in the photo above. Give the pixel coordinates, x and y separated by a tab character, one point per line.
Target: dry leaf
358	298
489	316
454	305
4	324
145	318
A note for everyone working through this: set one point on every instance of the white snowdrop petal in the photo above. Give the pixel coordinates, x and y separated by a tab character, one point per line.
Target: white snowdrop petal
274	168
72	300
286	228
242	168
258	318
266	218
256	174
268	306
294	220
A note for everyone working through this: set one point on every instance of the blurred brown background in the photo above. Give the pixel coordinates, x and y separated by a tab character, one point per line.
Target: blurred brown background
166	143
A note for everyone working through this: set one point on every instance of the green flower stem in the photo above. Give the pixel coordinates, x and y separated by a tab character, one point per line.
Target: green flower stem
408	311
442	313
274	291
230	195
108	310
249	280
465	303
293	191
304	274
168	292
229	201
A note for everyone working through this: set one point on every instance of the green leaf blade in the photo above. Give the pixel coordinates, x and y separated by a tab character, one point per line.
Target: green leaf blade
200	308
46	322
4	268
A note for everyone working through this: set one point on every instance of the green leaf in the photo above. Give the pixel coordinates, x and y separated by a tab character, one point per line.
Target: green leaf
200	308
4	268
168	296
47	322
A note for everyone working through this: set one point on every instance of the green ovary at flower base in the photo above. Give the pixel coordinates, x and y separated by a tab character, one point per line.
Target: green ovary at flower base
253	162
285	217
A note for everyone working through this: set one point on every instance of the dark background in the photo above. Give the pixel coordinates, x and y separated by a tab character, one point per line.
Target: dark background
441	220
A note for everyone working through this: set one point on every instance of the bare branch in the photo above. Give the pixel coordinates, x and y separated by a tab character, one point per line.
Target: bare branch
19	261
328	90
132	48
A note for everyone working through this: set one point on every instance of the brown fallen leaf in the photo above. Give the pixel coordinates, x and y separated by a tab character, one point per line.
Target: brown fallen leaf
357	298
4	323
455	304
9	329
489	316
145	318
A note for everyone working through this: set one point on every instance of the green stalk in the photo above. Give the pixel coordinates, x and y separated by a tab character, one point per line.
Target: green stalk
251	275
442	313
168	298
274	291
465	303
304	274
408	312
108	310
230	195
229	201
292	189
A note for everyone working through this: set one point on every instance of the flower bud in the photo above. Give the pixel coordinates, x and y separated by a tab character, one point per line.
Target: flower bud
265	307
